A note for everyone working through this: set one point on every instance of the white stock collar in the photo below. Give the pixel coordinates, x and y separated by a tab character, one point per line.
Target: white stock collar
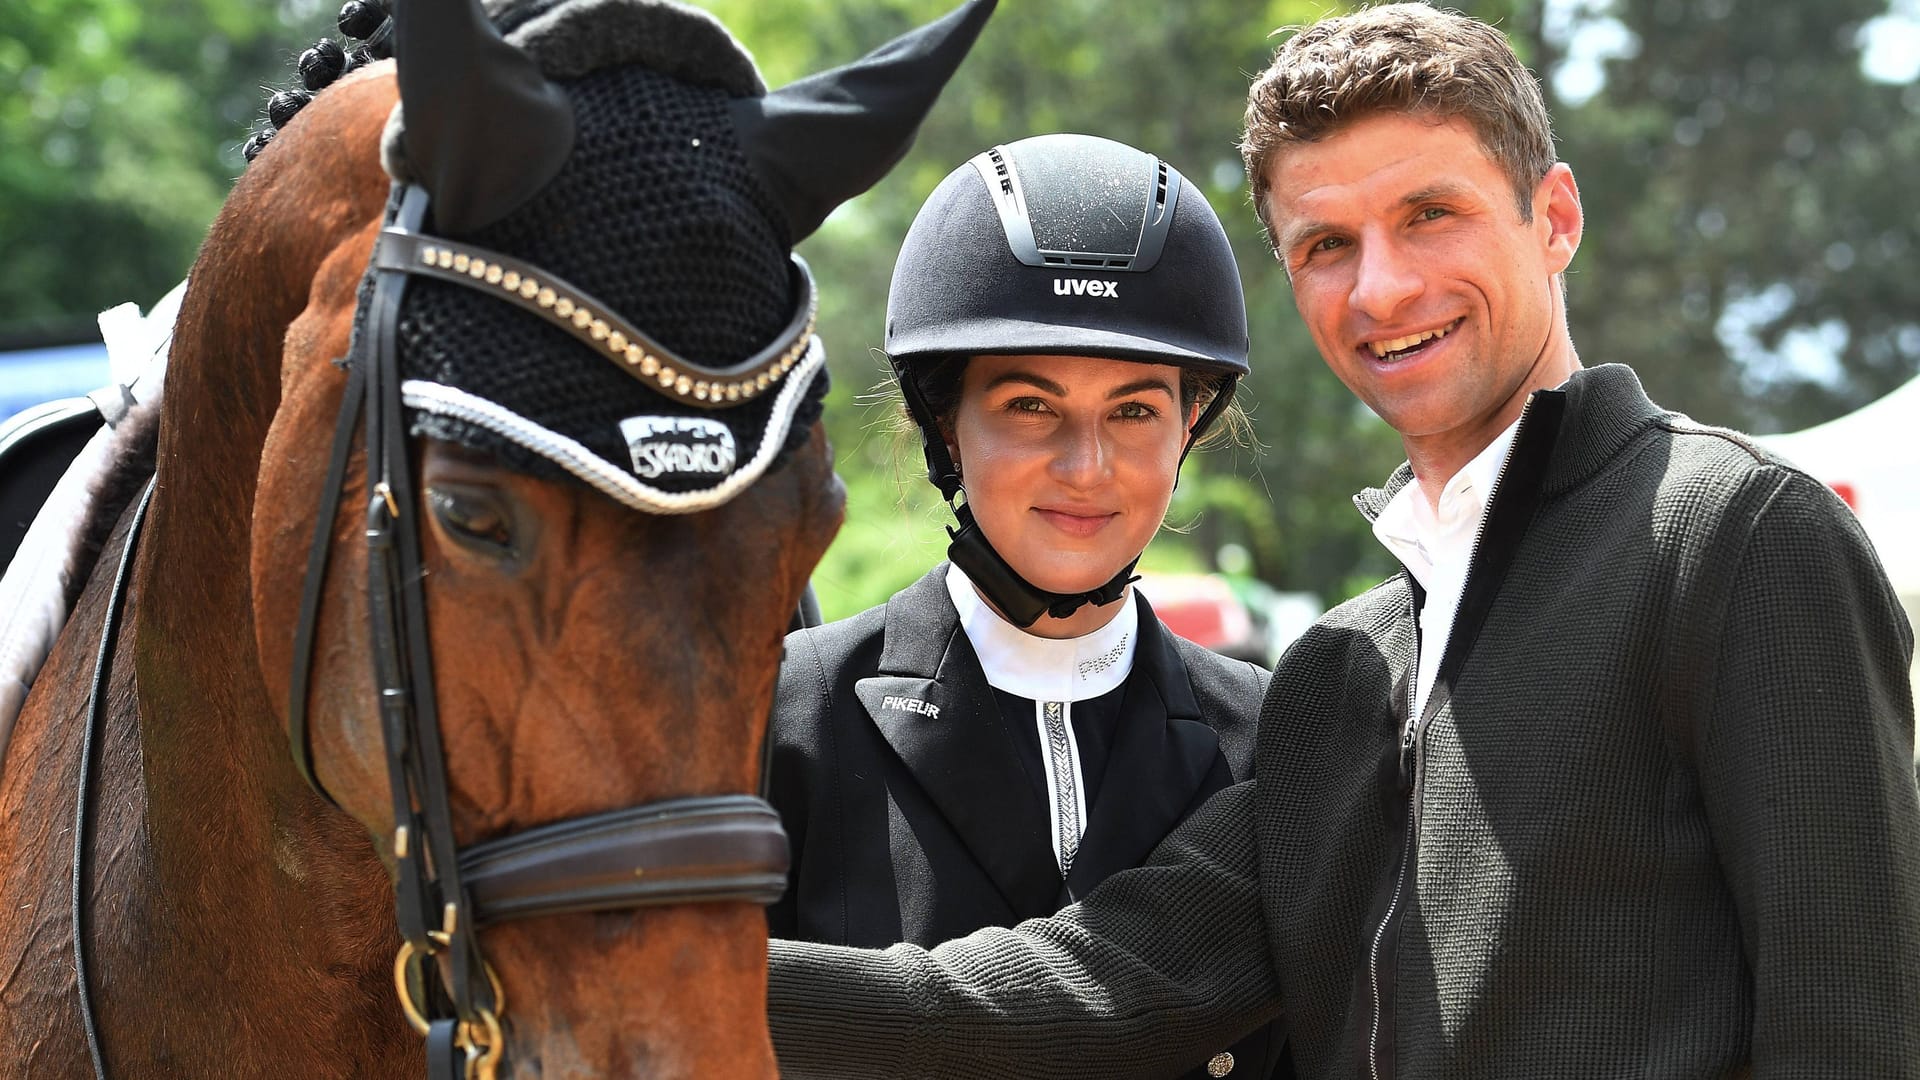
1046	669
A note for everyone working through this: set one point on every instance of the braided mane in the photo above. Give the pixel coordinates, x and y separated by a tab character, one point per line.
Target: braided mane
569	38
368	28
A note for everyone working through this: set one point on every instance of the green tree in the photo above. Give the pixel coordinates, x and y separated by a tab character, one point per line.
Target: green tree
120	127
1747	207
1744	186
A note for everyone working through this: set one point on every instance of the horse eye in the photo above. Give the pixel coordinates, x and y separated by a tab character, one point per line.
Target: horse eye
472	518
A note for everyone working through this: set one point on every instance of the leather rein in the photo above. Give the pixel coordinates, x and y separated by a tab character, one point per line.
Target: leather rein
684	850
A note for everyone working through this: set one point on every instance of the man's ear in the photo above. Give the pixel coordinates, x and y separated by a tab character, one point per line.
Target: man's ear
1556	209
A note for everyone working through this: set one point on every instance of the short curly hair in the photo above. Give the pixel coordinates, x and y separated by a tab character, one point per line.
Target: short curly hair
1398	58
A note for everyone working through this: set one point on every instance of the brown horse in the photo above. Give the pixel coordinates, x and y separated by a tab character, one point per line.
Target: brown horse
586	657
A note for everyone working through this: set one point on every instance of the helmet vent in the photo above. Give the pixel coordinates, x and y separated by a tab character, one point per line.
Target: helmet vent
1054	259
1001	171
1087	204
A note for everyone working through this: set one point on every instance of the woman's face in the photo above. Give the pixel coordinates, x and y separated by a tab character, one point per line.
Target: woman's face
1068	461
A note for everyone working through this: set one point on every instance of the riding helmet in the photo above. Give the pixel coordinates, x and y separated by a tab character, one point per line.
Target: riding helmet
1068	244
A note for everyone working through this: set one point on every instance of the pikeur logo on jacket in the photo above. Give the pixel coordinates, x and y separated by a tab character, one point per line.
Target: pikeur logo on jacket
912	705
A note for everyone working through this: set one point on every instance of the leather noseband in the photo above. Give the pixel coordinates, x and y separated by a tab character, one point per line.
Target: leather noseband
714	848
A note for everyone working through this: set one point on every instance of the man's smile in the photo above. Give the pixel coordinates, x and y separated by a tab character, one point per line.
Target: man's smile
1391	349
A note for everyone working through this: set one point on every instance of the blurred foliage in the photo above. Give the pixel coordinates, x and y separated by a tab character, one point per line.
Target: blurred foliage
1744	199
120	128
1747	218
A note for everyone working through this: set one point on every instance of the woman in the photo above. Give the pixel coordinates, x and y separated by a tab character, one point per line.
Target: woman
1065	322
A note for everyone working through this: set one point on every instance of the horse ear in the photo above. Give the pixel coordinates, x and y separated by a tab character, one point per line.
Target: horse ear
822	140
484	129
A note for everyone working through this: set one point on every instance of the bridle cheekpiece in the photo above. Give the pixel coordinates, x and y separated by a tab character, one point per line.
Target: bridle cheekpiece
485	127
705	849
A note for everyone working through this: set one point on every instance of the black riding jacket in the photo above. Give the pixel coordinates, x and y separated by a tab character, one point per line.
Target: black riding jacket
920	824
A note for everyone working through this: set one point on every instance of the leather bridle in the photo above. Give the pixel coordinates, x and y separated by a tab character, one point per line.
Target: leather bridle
716	848
686	850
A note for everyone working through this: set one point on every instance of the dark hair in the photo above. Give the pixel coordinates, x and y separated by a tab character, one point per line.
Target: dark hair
1399	58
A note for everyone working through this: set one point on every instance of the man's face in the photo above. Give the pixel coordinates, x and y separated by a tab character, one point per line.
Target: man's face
1422	287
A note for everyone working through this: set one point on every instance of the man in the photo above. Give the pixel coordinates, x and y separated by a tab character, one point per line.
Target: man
1614	780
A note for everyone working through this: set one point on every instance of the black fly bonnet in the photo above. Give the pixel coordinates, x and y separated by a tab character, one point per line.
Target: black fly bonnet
586	270
639	322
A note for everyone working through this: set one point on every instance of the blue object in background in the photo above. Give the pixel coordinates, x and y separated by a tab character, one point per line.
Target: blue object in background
29	377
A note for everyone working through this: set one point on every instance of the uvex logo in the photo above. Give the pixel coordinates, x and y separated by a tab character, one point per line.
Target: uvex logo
1083	287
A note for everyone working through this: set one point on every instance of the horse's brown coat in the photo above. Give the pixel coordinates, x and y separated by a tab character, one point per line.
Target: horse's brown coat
240	925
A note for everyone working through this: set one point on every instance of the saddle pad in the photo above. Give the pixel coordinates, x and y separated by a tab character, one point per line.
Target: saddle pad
34	589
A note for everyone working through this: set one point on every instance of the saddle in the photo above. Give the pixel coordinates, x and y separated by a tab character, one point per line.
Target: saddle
58	462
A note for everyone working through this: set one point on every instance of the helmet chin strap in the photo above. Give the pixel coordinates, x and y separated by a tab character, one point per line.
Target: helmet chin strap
1017	600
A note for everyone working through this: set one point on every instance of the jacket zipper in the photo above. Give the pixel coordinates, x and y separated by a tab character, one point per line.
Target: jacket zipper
1410	761
1400	881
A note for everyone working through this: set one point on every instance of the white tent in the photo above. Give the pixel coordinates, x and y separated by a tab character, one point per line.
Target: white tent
1872	458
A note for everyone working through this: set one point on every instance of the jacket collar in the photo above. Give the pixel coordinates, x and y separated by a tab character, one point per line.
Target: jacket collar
932	704
921	621
1162	754
1606	408
1046	669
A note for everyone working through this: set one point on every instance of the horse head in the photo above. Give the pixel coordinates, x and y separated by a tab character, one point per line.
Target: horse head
556	394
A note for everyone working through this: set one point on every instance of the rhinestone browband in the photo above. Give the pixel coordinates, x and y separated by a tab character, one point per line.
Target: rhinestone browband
598	326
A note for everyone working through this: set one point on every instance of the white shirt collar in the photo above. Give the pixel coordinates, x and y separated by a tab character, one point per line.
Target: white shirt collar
1045	669
1424	538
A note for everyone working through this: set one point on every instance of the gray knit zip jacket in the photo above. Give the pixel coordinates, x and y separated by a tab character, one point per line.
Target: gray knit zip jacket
1663	823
